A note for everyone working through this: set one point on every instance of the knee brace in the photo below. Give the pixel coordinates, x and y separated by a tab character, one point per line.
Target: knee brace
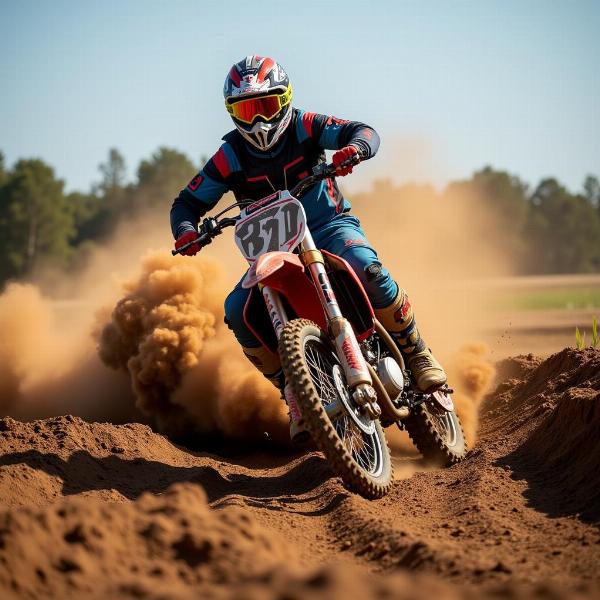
378	283
374	271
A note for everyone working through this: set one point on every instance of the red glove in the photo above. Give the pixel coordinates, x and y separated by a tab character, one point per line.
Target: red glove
343	155
186	237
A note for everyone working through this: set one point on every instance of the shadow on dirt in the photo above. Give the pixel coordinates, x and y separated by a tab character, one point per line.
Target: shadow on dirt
83	472
549	490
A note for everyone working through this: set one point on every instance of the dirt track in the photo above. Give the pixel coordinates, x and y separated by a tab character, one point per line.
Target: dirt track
98	510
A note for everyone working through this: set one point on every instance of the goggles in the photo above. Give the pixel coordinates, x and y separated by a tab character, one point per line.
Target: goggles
265	107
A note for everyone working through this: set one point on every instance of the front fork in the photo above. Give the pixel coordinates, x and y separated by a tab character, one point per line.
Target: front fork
346	345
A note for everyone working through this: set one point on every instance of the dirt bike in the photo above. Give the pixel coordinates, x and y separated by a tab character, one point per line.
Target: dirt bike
345	370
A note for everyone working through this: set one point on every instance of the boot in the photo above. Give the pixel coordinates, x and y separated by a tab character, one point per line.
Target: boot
298	433
269	365
399	321
427	371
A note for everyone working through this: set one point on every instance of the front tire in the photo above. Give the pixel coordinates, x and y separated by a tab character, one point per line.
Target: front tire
362	460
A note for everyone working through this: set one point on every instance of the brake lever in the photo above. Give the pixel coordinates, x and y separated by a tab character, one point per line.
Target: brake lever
211	226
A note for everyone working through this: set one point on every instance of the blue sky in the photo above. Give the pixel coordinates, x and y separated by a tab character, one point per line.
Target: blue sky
449	85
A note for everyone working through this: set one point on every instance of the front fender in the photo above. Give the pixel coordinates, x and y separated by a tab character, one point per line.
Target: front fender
284	272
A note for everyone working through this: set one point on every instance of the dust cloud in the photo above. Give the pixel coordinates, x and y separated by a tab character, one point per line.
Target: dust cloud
187	371
134	333
441	247
122	332
472	376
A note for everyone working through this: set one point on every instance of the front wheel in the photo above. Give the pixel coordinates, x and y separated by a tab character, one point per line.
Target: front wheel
312	368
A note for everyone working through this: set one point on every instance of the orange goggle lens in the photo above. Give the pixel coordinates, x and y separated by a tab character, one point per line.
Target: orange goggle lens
247	110
266	107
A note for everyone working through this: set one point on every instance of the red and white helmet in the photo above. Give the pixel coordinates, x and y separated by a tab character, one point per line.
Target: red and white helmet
258	96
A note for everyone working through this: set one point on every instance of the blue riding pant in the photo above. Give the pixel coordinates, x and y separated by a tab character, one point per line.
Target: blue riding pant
342	236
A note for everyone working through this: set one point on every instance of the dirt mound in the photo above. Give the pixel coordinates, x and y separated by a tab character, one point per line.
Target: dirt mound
173	546
340	583
556	419
166	543
96	510
516	367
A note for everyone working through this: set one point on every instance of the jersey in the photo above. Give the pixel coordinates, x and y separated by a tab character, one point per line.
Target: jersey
252	175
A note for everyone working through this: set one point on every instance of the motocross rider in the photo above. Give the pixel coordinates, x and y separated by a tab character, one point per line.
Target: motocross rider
272	147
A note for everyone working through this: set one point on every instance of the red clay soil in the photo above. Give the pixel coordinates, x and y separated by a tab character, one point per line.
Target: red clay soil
95	510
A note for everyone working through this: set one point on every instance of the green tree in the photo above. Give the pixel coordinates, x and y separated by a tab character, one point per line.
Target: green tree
504	196
114	172
563	230
97	213
35	220
2	169
88	217
161	178
591	190
498	204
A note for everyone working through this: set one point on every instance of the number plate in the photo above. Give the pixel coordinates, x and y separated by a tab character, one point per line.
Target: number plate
278	225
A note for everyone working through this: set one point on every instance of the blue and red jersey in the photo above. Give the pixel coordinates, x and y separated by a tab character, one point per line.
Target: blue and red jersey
251	174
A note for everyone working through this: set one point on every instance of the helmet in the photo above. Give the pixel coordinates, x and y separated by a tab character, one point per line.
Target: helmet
258	96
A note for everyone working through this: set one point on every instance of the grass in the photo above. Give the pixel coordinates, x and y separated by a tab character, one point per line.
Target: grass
556	298
580	337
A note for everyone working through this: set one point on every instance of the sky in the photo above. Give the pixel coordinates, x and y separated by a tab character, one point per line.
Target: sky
450	86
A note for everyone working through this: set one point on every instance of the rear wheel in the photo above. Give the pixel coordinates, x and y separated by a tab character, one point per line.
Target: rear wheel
437	433
358	453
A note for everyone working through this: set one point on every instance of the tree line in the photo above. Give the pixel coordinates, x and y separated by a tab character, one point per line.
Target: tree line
41	225
555	230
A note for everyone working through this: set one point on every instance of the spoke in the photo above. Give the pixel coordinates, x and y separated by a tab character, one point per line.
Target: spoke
364	448
360	446
310	359
325	387
320	374
341	426
323	375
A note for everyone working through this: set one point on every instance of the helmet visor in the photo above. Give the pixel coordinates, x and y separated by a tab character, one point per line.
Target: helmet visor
265	107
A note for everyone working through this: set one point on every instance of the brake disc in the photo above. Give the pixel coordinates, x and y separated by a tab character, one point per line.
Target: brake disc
443	399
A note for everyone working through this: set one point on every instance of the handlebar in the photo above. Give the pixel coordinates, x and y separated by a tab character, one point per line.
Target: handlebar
211	227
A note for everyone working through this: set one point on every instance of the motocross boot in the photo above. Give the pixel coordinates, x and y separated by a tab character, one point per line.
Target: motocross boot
269	365
399	321
298	433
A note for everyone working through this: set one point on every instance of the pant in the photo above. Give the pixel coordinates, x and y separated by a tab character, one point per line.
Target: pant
342	236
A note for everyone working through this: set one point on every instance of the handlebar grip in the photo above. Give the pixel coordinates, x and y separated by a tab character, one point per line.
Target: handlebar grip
352	160
200	240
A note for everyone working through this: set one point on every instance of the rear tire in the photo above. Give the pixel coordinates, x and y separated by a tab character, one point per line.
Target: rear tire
437	434
362	460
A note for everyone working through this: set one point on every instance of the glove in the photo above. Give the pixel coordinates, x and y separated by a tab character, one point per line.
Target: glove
343	155
186	237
